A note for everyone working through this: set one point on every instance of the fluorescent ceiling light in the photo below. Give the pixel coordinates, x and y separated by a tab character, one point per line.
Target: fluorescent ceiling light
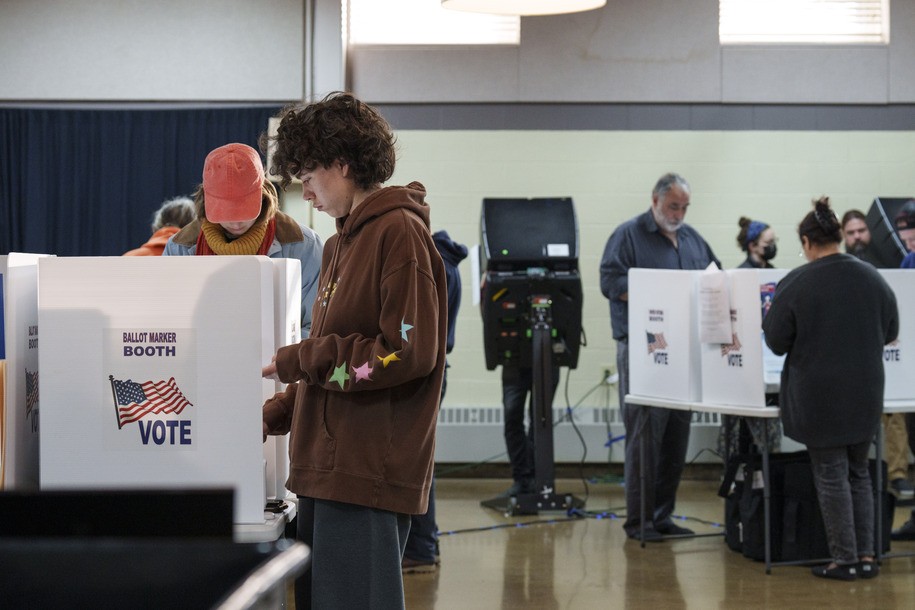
523	7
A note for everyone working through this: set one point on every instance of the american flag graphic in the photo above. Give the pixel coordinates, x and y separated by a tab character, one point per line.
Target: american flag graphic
134	401
656	341
734	346
31	390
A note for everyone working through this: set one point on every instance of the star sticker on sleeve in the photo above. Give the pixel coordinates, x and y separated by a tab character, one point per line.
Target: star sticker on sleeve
404	327
392	357
363	373
340	375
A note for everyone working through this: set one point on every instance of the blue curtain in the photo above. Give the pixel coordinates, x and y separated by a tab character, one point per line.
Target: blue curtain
87	182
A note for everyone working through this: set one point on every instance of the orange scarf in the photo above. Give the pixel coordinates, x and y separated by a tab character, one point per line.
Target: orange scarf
256	240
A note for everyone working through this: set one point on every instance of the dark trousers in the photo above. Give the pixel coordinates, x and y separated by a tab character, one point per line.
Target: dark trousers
355	556
422	545
846	498
665	455
517	384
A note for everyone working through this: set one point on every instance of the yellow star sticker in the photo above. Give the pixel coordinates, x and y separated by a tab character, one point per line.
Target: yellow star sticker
392	357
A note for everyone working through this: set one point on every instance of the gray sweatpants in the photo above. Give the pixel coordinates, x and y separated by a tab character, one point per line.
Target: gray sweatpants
355	556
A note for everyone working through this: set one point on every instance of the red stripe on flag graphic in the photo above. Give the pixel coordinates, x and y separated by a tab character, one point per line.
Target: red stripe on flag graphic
656	342
137	400
734	346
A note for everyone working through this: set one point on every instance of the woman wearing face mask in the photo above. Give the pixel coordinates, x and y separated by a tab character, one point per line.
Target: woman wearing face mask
757	239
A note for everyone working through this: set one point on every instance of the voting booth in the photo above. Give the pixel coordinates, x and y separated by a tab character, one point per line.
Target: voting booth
19	396
899	356
151	373
738	370
664	355
287	330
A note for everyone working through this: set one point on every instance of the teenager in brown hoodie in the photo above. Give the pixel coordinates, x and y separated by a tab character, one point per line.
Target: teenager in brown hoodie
363	391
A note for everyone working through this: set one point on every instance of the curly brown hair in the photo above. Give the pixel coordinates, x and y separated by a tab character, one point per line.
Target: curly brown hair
338	128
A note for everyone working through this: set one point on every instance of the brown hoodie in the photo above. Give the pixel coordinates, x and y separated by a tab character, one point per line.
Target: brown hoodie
362	415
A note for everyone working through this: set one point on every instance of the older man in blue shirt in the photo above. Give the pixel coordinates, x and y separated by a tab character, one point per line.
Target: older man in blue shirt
657	239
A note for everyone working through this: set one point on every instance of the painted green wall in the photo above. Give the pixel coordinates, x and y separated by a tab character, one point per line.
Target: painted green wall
769	176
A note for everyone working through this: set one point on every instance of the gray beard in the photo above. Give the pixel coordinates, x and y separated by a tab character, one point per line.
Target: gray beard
858	249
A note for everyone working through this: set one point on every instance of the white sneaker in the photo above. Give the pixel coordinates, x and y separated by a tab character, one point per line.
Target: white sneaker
902	489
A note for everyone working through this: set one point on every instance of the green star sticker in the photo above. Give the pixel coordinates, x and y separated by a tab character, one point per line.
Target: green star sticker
340	375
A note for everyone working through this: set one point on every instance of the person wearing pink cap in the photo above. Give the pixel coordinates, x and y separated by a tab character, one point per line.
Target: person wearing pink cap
238	213
364	389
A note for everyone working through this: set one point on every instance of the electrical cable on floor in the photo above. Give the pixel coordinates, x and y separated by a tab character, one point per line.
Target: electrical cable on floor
574	514
608	478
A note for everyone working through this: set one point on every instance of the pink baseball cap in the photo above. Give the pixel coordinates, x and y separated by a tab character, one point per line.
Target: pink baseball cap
233	176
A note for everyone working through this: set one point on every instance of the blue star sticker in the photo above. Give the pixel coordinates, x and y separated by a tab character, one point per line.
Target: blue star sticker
404	327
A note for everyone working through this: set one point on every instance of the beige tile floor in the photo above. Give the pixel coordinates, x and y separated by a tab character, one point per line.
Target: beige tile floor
544	561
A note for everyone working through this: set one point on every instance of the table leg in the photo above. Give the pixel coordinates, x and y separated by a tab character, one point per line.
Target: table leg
767	532
645	434
878	501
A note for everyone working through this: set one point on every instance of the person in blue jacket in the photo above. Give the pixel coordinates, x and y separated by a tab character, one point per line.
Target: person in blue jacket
421	553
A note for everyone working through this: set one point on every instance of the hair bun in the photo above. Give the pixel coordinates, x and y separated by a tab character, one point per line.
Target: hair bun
824	215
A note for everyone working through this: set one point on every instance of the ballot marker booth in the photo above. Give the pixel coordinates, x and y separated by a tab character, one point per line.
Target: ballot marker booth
696	336
899	356
673	354
19	397
150	388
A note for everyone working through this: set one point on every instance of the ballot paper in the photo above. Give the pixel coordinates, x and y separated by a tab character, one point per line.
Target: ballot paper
714	306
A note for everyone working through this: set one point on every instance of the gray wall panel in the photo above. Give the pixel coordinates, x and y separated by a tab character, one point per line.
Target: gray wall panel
818	75
629	51
652	117
137	50
902	51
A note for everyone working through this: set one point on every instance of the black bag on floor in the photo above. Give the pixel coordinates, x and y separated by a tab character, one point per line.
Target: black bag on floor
745	504
803	532
797	532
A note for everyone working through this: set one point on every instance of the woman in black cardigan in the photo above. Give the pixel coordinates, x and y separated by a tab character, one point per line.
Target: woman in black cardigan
832	318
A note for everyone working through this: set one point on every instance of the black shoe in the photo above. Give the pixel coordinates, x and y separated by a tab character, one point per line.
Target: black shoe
904	532
524	486
672	529
417	566
651	535
868	569
849	572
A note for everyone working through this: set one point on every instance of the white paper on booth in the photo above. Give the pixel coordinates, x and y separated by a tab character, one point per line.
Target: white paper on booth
714	307
897	356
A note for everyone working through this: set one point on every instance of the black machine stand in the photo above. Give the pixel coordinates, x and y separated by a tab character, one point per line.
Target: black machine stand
531	301
545	497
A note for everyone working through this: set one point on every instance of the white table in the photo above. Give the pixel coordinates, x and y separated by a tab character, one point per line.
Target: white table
271	529
741	411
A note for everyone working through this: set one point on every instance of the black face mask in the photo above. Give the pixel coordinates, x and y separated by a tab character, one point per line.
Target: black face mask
769	252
